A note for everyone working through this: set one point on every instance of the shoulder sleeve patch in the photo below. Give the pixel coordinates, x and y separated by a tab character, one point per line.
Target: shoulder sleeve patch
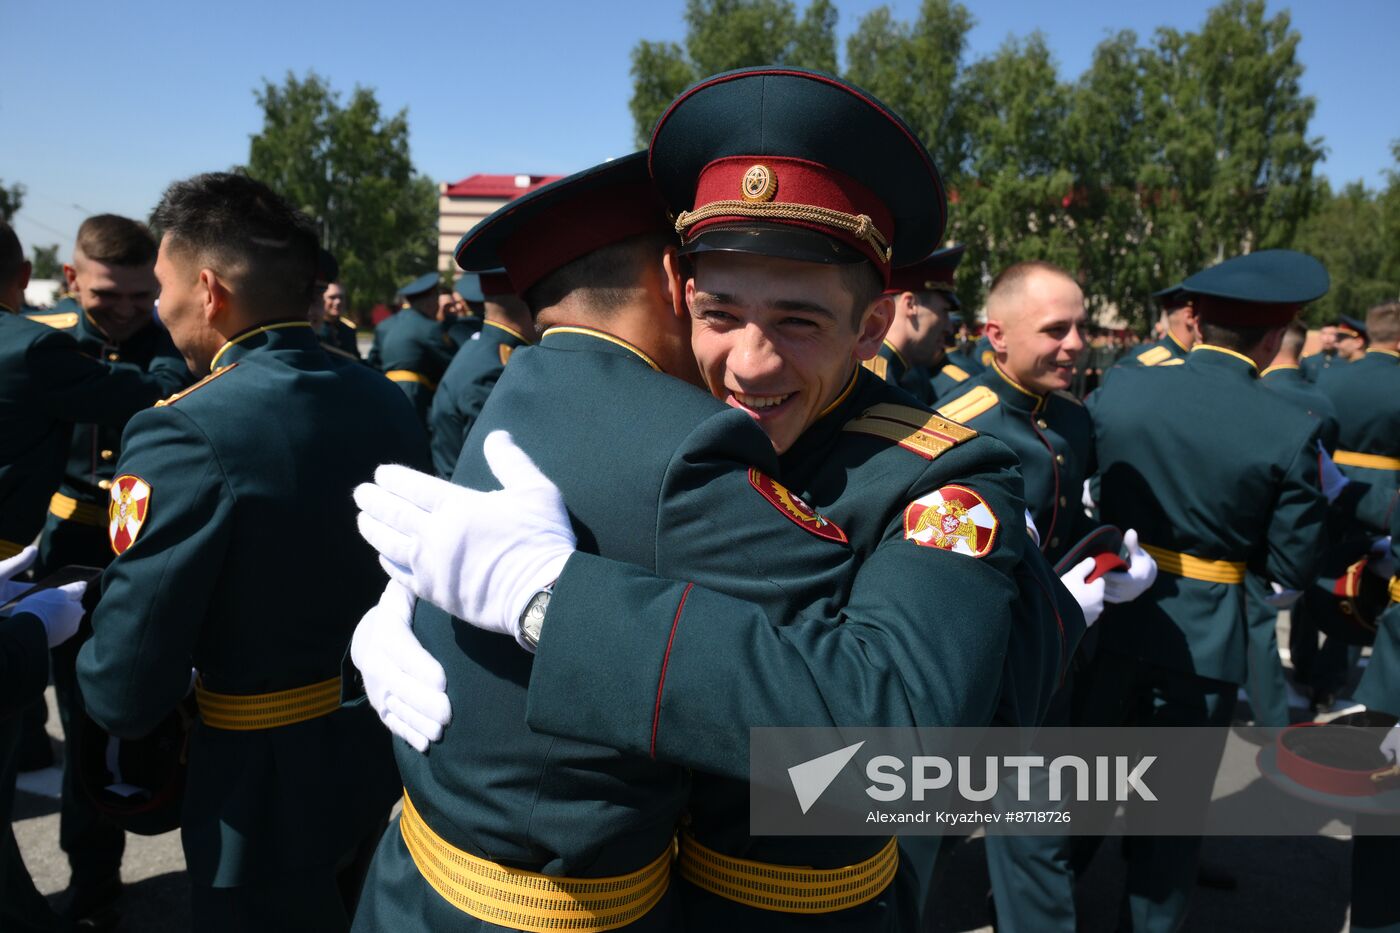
126	513
794	508
877	365
966	407
62	320
504	352
1068	397
205	381
955	372
1154	356
953	518
914	429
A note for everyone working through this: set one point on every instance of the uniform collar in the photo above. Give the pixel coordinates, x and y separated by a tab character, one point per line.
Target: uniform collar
1176	346
508	329
1210	355
812	446
892	353
274	335
586	338
1382	352
1283	371
1012	392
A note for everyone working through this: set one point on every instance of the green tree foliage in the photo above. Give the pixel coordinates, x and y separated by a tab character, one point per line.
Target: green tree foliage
46	263
347	166
1165	156
11	200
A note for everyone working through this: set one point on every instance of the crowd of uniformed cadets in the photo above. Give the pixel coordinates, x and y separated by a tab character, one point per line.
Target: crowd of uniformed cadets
699	455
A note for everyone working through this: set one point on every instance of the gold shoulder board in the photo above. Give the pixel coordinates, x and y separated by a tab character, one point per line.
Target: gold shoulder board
955	372
205	381
1175	361
1068	396
345	322
877	365
914	429
966	407
1155	356
62	320
504	352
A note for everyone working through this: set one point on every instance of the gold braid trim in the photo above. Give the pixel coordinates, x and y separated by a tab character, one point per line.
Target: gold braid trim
859	224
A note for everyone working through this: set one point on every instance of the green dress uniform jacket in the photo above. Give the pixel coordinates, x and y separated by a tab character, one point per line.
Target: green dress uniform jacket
977	357
947	377
339	334
1366	395
222	529
1315	364
1164	351
46	385
1290	382
706	507
413	351
890	365
464	389
1227	472
1053	437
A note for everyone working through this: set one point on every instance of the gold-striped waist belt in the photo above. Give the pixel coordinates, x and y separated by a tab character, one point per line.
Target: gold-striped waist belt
527	900
9	549
249	712
408	375
1368	461
1196	568
788	889
83	513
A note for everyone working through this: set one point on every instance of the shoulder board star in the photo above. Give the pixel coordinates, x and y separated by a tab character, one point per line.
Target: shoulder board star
205	381
914	429
966	407
1154	356
877	365
61	320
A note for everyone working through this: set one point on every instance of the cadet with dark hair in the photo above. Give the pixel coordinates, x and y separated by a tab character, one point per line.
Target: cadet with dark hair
229	497
1183	331
413	348
504	327
914	354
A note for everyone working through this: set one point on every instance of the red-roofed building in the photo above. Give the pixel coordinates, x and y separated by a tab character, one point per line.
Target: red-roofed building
461	204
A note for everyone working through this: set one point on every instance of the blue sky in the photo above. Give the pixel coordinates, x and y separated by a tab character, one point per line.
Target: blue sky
103	103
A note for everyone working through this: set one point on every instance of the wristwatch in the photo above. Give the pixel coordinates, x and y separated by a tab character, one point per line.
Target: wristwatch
532	618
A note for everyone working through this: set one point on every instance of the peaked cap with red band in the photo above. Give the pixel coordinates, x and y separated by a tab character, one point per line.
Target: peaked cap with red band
545	230
932	274
1263	289
796	164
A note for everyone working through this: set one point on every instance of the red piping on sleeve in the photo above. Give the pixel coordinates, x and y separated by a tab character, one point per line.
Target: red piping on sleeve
665	660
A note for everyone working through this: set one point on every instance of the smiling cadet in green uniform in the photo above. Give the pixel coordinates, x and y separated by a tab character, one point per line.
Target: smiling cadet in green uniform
1366	395
1035	322
914	353
112	279
207	500
413	348
868	466
336	334
505	327
1250	496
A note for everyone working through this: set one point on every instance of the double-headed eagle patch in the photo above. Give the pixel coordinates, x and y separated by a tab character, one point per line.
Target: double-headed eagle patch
131	501
952	519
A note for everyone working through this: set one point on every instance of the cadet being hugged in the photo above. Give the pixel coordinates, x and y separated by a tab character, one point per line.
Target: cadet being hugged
229	497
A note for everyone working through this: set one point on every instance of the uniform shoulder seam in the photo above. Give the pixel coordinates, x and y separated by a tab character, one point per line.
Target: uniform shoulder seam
203	382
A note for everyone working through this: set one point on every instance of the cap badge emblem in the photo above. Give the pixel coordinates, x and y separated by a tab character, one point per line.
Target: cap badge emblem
759	184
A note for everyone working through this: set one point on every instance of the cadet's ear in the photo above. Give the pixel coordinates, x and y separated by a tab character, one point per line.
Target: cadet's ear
874	325
215	295
70	275
996	335
673	281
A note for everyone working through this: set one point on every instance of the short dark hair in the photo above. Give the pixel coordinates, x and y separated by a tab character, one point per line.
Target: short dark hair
865	285
116	241
1294	336
11	254
1383	322
604	279
240	228
1238	339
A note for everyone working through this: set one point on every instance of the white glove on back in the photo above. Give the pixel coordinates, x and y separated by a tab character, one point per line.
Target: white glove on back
60	610
1390	745
1333	482
405	685
13	567
478	555
1088	595
1124	586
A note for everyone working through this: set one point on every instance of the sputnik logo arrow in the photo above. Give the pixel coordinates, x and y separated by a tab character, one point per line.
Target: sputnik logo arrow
810	779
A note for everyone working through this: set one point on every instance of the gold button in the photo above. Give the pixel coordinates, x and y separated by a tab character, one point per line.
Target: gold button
107	455
1042	423
1063	502
104	484
1060	459
113	356
1054	542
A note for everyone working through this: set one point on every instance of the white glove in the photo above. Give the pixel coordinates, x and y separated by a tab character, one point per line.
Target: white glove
1031	529
1124	586
13	567
1088	595
480	556
60	610
1281	598
1333	482
1087	497
406	686
1390	745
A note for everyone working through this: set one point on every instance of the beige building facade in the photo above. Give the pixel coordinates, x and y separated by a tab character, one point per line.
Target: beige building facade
461	204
